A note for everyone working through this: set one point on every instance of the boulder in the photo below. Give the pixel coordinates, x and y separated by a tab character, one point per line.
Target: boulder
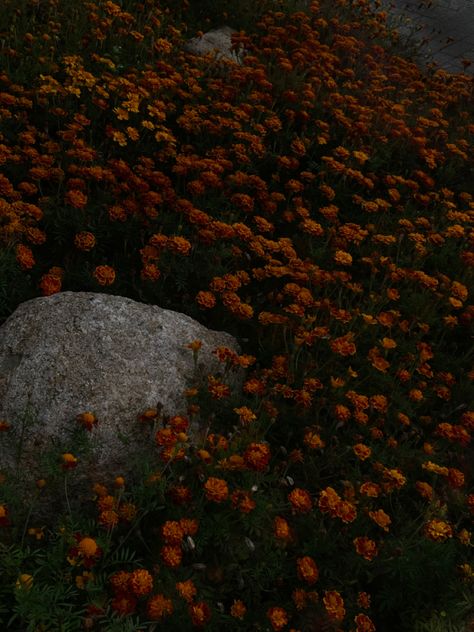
74	352
216	41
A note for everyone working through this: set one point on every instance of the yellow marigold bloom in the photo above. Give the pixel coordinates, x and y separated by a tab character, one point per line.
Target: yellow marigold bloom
187	590
334	604
24	581
104	275
278	618
159	607
381	518
434	467
395	477
238	609
362	451
307	569
140	582
87	547
438	530
216	489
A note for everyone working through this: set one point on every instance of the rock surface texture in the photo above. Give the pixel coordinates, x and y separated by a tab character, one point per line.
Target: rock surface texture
217	41
78	351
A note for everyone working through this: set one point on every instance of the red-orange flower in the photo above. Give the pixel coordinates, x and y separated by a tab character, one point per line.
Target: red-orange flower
187	590
104	275
140	582
216	489
364	623
76	198
307	569
278	618
257	456
171	555
334	604
300	500
200	613
366	547
158	607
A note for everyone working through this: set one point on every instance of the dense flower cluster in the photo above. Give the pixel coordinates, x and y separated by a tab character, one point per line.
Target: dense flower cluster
316	201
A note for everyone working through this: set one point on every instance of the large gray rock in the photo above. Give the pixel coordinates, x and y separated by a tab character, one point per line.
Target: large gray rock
74	352
216	41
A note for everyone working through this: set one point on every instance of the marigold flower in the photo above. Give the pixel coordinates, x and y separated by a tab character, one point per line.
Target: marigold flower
238	609
75	198
205	300
24	256
362	451
84	241
187	590
108	519
119	581
363	600
364	623
4	520
370	489
346	511
127	512
366	547
88	420
140	582
200	613
328	500
257	456
216	489
171	555
381	518
69	461
313	440
104	275
424	489
343	258
281	528
334	605
159	607
278	618
50	284
307	569
300	500
246	415
438	530
24	581
172	532
88	547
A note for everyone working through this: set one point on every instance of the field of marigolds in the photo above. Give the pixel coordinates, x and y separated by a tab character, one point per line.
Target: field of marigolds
316	201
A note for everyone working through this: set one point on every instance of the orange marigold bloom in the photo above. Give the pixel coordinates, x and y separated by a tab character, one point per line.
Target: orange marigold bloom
362	451
108	518
216	489
200	613
281	528
370	489
307	569
50	284
364	623
69	461
158	607
217	389
343	345
189	526
172	532
87	419
381	518
343	258
424	489
243	501
205	300
278	617
238	609
438	530
150	272
24	256
127	512
84	241
346	511
334	604
365	547
104	275
140	582
300	500
257	456
313	440
171	555
363	600
87	547
246	415
187	590
328	500
76	198
456	478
